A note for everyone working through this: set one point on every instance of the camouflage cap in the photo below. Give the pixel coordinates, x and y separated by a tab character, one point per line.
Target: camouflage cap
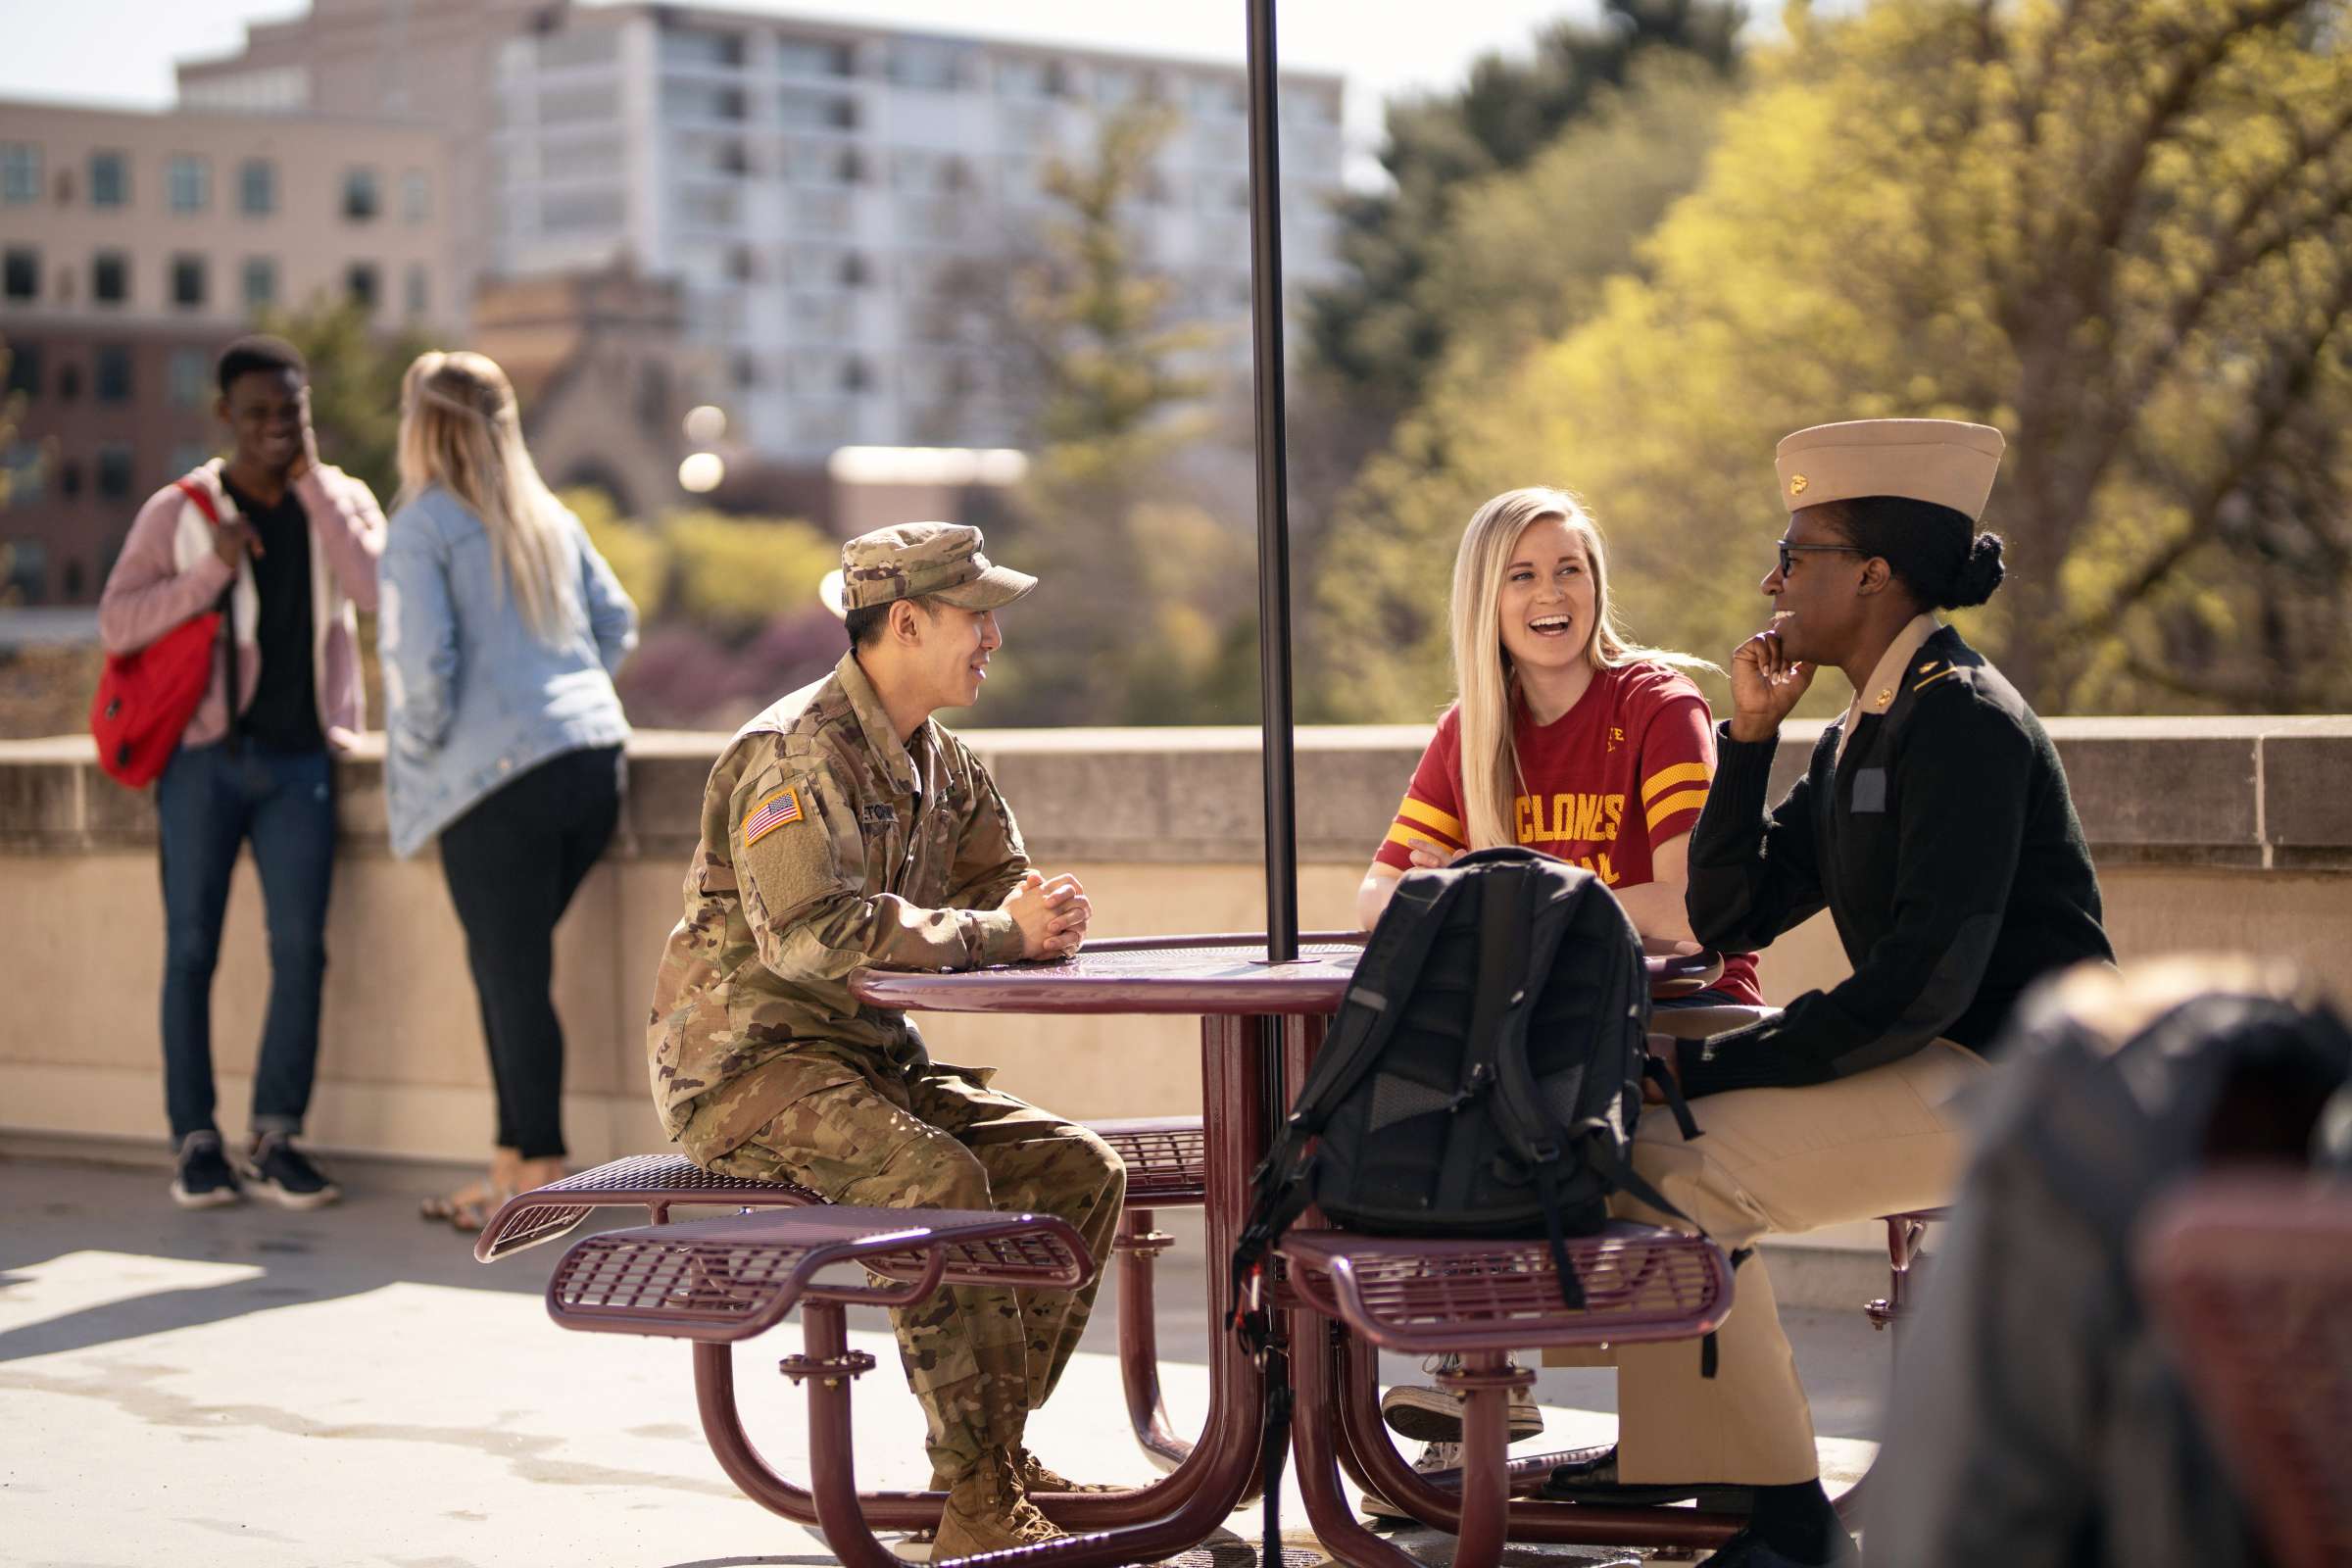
926	560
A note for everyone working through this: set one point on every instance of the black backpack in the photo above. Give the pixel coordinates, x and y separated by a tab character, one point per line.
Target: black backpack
1484	1075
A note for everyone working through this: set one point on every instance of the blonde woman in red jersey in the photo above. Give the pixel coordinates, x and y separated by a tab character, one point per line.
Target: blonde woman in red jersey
1567	739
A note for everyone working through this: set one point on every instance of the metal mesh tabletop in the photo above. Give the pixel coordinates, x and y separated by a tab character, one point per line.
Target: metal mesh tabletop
1194	975
1427	1297
730	1278
1184	974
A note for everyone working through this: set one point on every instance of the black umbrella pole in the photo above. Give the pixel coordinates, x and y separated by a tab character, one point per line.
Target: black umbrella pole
1273	491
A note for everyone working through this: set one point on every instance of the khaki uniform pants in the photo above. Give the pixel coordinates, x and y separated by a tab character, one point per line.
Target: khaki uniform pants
979	1357
1773	1161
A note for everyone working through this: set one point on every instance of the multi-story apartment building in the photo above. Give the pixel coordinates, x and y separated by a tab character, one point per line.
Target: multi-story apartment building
133	246
825	190
818	187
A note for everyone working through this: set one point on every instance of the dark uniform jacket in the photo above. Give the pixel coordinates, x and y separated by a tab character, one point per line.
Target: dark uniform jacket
1945	846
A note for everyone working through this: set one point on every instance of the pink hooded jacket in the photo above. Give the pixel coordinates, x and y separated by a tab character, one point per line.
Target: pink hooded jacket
169	571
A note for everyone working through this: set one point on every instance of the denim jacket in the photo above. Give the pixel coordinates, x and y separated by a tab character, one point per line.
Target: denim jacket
472	698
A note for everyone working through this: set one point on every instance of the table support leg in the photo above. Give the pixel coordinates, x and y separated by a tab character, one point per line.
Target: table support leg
1486	1381
1529	1519
1316	1444
832	1457
1137	1247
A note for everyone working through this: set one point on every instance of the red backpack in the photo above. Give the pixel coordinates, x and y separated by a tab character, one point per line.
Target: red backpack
146	698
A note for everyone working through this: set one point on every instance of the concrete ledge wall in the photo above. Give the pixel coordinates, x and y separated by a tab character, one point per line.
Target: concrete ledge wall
2232	833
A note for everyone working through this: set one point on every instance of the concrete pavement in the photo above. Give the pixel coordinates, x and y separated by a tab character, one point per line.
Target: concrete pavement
349	1387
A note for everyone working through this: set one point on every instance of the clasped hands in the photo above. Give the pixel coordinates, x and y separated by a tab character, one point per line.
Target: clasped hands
1050	915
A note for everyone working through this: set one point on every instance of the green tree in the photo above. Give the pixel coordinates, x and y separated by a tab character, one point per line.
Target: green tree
733	574
1129	623
356	372
635	551
1386	326
2121	232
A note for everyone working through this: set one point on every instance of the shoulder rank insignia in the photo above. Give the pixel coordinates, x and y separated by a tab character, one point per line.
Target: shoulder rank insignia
770	814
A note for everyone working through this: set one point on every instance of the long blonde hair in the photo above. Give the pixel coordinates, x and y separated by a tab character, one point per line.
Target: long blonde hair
459	429
1483	676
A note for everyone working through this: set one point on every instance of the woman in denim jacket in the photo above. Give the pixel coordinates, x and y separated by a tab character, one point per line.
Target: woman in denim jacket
500	630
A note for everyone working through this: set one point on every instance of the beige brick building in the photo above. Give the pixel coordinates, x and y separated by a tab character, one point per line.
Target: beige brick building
133	246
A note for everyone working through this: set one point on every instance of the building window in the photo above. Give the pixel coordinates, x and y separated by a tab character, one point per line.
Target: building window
22	268
69	382
19	172
113	469
360	284
69	478
260	282
256	187
415	197
28	559
695	46
111	374
188	182
417	292
110	179
362	200
110	277
810	57
189	378
933	64
26	470
24	369
189	282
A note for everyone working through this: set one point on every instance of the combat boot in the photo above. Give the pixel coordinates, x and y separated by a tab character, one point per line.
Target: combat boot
989	1511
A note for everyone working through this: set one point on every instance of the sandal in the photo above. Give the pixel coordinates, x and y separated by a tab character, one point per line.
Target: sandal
467	1209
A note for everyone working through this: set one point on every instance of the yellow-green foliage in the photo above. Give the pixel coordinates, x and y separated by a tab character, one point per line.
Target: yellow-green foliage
2128	244
736	572
633	550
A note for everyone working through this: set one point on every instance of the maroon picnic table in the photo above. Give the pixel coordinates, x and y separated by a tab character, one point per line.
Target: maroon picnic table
1261	1024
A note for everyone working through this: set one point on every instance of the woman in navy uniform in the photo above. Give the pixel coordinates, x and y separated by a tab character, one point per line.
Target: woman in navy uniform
1934	825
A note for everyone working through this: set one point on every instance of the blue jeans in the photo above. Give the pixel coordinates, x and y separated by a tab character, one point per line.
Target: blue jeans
208	803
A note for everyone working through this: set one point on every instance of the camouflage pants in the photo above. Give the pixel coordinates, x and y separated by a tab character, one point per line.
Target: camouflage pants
979	1358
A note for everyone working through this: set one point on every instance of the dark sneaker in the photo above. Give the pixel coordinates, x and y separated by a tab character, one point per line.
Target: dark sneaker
284	1174
203	1179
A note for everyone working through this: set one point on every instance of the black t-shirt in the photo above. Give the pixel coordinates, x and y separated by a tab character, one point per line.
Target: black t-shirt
284	715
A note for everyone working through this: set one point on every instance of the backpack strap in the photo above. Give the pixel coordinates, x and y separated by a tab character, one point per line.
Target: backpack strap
202	500
1282	1187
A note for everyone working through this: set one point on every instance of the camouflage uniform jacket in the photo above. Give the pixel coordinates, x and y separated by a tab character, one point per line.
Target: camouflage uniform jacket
827	847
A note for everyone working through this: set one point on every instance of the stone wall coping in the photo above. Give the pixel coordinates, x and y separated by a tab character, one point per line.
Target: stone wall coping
2246	791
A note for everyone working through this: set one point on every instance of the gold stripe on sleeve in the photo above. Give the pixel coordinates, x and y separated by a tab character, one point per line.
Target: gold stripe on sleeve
1665	778
1686	801
1399	833
1428	815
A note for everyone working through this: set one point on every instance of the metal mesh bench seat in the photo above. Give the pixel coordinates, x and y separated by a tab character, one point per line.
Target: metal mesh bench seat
655	1183
1163	1156
1166	1159
1429	1296
2248	1279
730	1278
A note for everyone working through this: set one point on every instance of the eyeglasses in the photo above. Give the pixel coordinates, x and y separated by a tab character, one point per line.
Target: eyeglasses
1786	550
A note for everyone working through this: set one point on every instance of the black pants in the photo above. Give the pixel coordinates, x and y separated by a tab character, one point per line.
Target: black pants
513	863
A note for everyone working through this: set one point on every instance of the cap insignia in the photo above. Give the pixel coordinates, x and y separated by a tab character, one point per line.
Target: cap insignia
1796	484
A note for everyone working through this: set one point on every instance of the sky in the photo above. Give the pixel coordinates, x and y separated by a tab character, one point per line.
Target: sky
121	52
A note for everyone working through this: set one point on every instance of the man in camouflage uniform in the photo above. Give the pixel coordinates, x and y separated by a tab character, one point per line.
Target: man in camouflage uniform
843	829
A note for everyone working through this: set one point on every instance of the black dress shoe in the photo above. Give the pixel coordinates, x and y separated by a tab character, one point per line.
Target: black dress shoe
1745	1551
1590	1475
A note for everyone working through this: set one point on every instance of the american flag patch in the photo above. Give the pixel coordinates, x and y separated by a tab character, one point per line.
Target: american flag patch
770	814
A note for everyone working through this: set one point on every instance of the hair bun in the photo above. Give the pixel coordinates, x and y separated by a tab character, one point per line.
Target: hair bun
1979	575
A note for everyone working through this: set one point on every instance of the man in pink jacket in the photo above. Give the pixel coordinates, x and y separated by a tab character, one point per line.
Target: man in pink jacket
290	560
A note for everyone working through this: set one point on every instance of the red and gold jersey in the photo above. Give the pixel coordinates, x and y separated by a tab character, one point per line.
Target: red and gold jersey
1624	769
